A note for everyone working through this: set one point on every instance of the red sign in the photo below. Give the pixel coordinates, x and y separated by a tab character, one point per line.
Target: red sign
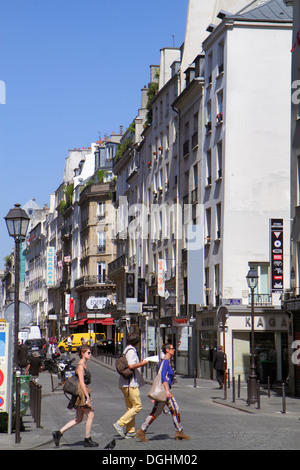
71	310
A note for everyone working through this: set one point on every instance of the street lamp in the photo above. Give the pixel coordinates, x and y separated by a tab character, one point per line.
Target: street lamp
252	280
17	222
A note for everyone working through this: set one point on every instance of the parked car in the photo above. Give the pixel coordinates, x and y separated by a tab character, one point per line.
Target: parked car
36	345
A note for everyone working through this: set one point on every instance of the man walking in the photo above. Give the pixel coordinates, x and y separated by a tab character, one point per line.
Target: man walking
125	426
220	365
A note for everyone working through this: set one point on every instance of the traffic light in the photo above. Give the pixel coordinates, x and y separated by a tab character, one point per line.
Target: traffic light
141	290
129	285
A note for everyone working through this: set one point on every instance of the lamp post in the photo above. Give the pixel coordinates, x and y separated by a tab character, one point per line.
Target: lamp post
252	280
17	222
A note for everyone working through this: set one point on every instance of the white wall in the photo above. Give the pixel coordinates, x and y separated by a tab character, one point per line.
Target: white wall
199	15
257	147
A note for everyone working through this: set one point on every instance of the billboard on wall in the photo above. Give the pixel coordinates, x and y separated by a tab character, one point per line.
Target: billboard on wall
276	254
5	367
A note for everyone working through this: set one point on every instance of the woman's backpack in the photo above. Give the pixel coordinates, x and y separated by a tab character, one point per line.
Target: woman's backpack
123	368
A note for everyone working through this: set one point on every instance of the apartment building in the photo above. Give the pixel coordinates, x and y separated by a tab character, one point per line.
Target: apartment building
246	189
292	305
212	145
74	223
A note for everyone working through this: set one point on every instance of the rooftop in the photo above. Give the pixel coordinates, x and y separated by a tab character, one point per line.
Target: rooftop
272	10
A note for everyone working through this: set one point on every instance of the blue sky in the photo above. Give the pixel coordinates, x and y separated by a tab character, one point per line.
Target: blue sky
73	72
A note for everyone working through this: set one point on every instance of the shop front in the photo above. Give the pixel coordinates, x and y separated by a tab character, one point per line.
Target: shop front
270	339
292	308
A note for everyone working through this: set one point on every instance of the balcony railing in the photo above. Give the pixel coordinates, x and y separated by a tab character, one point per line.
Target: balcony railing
92	280
261	299
117	264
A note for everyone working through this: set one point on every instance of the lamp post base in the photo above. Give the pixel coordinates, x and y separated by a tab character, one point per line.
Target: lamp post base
252	388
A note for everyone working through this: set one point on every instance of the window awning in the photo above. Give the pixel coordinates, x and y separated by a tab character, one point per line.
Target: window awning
103	321
76	323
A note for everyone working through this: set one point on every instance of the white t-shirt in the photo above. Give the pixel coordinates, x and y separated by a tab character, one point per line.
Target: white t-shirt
132	358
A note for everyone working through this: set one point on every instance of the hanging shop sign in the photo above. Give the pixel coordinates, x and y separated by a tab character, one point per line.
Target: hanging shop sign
50	267
161	268
276	254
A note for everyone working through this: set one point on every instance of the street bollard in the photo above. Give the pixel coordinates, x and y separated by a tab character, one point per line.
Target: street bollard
195	379
283	399
239	386
269	387
233	389
35	402
248	396
258	395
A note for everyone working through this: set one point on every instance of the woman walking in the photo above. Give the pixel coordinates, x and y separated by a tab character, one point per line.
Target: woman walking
167	376
83	403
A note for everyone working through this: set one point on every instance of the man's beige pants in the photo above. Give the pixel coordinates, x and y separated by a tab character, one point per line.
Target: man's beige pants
134	406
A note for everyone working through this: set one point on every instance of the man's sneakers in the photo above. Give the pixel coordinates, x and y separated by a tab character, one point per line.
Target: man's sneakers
119	429
130	435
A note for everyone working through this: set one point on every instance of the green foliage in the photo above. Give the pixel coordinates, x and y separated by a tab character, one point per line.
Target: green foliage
64	204
152	90
122	148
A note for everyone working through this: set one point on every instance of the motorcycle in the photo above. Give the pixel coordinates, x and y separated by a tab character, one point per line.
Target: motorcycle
65	367
61	366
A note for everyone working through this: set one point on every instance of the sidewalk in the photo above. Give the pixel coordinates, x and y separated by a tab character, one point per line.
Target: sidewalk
33	438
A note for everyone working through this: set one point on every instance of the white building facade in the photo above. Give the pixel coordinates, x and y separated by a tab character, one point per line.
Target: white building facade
247	184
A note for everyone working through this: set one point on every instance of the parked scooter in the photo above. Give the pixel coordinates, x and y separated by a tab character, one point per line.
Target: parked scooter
66	368
61	366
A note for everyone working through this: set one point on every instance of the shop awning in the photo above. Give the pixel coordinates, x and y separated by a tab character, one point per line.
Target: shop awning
103	321
76	323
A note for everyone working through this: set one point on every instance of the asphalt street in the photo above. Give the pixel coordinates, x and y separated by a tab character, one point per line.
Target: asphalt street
212	422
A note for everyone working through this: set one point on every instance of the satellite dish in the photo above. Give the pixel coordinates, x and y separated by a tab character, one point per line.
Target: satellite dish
25	314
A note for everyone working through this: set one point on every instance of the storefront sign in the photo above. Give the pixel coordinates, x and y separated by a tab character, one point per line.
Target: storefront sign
180	321
268	323
133	306
50	267
96	302
161	277
276	254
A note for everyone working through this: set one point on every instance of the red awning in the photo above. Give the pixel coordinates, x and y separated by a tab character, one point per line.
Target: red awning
76	323
103	321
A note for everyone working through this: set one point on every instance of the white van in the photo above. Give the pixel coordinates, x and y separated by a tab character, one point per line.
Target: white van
29	332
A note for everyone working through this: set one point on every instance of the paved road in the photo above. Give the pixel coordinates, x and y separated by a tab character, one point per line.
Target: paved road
211	425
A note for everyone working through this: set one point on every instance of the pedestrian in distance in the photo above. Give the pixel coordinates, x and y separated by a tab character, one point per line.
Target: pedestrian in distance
125	426
83	403
167	375
51	346
220	365
35	366
70	344
23	355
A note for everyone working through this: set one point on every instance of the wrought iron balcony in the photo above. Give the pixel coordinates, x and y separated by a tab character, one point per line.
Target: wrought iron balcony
91	281
261	299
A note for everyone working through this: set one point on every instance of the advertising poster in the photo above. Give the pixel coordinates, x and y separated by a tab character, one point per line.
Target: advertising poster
5	368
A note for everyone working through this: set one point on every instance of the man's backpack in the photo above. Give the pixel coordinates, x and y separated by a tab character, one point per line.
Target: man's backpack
123	368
